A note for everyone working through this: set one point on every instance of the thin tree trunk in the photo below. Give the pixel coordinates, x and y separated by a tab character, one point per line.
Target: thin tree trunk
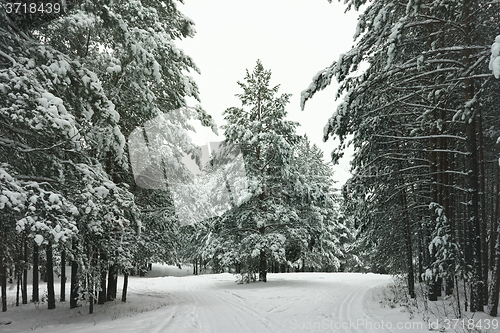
458	298
18	275
125	286
17	270
262	262
51	299
476	302
103	272
495	278
473	212
35	296
73	298
115	282
421	253
262	259
407	235
91	278
62	297
24	287
482	213
91	293
112	281
433	159
3	281
495	189
109	291
495	290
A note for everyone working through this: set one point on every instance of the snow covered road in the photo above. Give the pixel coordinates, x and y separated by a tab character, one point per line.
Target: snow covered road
292	302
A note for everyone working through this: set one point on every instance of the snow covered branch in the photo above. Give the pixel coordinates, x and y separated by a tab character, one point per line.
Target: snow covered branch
6	56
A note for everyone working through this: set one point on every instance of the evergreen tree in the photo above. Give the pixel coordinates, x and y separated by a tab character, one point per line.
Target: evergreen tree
415	114
289	216
71	84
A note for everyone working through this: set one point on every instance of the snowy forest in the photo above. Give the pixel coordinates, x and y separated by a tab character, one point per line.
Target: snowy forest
94	121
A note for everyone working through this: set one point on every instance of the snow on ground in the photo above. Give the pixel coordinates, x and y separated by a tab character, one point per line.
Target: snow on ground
289	302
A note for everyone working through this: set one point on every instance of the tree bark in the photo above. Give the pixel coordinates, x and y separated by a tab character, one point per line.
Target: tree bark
18	278
91	296
62	297
3	281
473	214
24	287
495	290
476	301
125	286
263	266
35	296
495	278
104	270
73	298
433	159
112	281
51	299
482	212
409	250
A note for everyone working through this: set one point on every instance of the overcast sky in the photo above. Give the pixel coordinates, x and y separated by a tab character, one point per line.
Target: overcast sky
292	38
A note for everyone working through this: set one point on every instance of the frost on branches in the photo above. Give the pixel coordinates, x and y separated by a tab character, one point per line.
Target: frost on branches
289	218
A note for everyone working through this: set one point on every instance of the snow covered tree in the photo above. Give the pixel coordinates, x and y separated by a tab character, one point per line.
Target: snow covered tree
290	208
73	81
266	140
54	118
312	196
414	114
131	48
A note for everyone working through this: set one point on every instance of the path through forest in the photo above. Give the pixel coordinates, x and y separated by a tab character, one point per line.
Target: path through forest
292	302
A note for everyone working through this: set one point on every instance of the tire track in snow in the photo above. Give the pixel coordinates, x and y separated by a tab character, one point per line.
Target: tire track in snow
237	316
353	308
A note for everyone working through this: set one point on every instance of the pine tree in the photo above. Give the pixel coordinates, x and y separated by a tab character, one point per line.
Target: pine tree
289	215
415	114
266	140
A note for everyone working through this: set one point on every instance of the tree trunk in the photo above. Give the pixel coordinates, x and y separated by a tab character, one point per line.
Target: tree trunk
473	213
409	250
482	212
35	297
495	189
476	301
73	298
91	294
495	279
3	281
263	266
92	253
450	282
104	270
407	235
444	192
112	281
125	286
421	253
18	278
24	287
51	299
433	159
63	276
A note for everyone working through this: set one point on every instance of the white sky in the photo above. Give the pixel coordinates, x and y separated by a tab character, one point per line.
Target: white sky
292	38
